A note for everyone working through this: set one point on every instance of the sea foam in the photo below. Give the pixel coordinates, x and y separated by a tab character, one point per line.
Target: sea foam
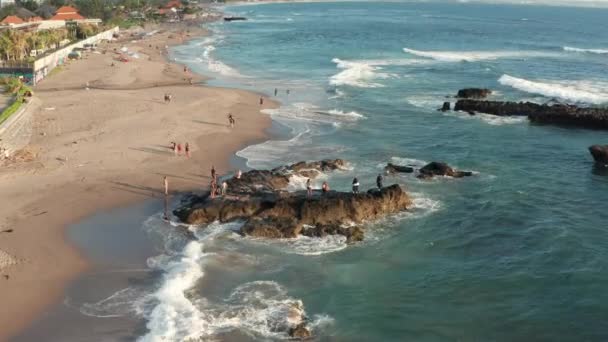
357	74
595	51
574	91
472	56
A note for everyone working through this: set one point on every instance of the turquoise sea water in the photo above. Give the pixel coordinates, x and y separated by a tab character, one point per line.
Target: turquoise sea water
518	252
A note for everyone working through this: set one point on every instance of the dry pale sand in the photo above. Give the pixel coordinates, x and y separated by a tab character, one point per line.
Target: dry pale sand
101	148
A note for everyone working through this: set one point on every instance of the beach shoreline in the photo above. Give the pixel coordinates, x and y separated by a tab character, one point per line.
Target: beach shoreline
77	165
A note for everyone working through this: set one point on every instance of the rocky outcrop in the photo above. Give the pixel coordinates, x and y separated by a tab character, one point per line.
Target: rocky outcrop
473	93
557	114
441	169
393	168
300	331
445	107
269	212
265	181
599	153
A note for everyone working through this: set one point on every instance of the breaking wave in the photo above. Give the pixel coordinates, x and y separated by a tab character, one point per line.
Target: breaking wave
595	51
217	66
357	74
472	56
574	91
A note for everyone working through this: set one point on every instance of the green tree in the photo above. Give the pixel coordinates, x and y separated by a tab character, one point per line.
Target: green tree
28	4
8	10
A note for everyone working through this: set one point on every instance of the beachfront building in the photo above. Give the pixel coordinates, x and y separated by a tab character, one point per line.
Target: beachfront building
6	2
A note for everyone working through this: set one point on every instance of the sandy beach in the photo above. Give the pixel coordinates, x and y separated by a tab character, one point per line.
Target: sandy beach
107	145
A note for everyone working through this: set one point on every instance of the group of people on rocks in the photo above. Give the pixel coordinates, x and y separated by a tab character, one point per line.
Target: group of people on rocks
355	184
177	149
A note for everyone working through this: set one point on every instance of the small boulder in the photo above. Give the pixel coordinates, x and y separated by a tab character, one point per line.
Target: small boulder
599	153
392	168
473	93
441	169
446	106
300	331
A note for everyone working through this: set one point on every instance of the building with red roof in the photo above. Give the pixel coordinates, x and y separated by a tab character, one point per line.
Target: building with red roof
12	20
36	18
67	13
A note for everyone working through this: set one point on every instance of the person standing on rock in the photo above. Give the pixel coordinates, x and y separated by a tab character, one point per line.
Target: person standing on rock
224	188
355	185
308	188
325	187
239	174
379	181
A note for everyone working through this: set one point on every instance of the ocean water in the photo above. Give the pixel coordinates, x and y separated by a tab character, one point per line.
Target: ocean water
518	252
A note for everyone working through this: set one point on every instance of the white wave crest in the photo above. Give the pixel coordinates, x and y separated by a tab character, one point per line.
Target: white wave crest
304	245
175	315
347	115
595	51
357	74
472	56
217	66
490	119
579	91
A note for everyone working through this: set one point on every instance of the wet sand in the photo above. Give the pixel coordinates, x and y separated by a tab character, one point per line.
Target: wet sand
104	147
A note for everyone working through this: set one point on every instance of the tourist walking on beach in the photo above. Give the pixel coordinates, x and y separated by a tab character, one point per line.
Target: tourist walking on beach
174	148
212	172
231	120
379	181
325	187
179	149
187	149
308	188
261	100
166	184
355	185
168	98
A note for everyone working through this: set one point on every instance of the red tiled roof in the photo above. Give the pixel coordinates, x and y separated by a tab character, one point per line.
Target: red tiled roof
173	3
36	18
12	19
67	16
66	9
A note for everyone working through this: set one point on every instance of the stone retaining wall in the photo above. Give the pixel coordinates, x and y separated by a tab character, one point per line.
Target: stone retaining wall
16	131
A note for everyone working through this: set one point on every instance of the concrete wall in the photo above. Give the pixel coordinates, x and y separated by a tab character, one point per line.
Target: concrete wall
44	65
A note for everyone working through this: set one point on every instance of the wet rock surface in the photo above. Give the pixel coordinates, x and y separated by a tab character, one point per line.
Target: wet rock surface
473	93
258	199
599	153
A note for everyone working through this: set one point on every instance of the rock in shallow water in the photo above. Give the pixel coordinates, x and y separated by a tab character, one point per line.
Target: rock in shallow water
393	168
473	93
599	153
441	169
272	213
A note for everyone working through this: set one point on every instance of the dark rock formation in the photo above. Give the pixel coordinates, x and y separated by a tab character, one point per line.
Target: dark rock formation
300	331
441	169
271	213
353	234
557	114
473	93
234	18
445	107
392	168
599	153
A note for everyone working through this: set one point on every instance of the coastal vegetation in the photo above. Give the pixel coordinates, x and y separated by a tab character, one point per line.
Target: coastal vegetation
16	88
18	45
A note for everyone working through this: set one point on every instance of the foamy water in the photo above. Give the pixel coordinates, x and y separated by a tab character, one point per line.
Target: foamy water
573	91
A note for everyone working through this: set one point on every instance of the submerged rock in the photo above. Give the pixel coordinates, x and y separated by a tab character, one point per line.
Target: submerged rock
393	168
599	153
269	212
473	93
441	169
